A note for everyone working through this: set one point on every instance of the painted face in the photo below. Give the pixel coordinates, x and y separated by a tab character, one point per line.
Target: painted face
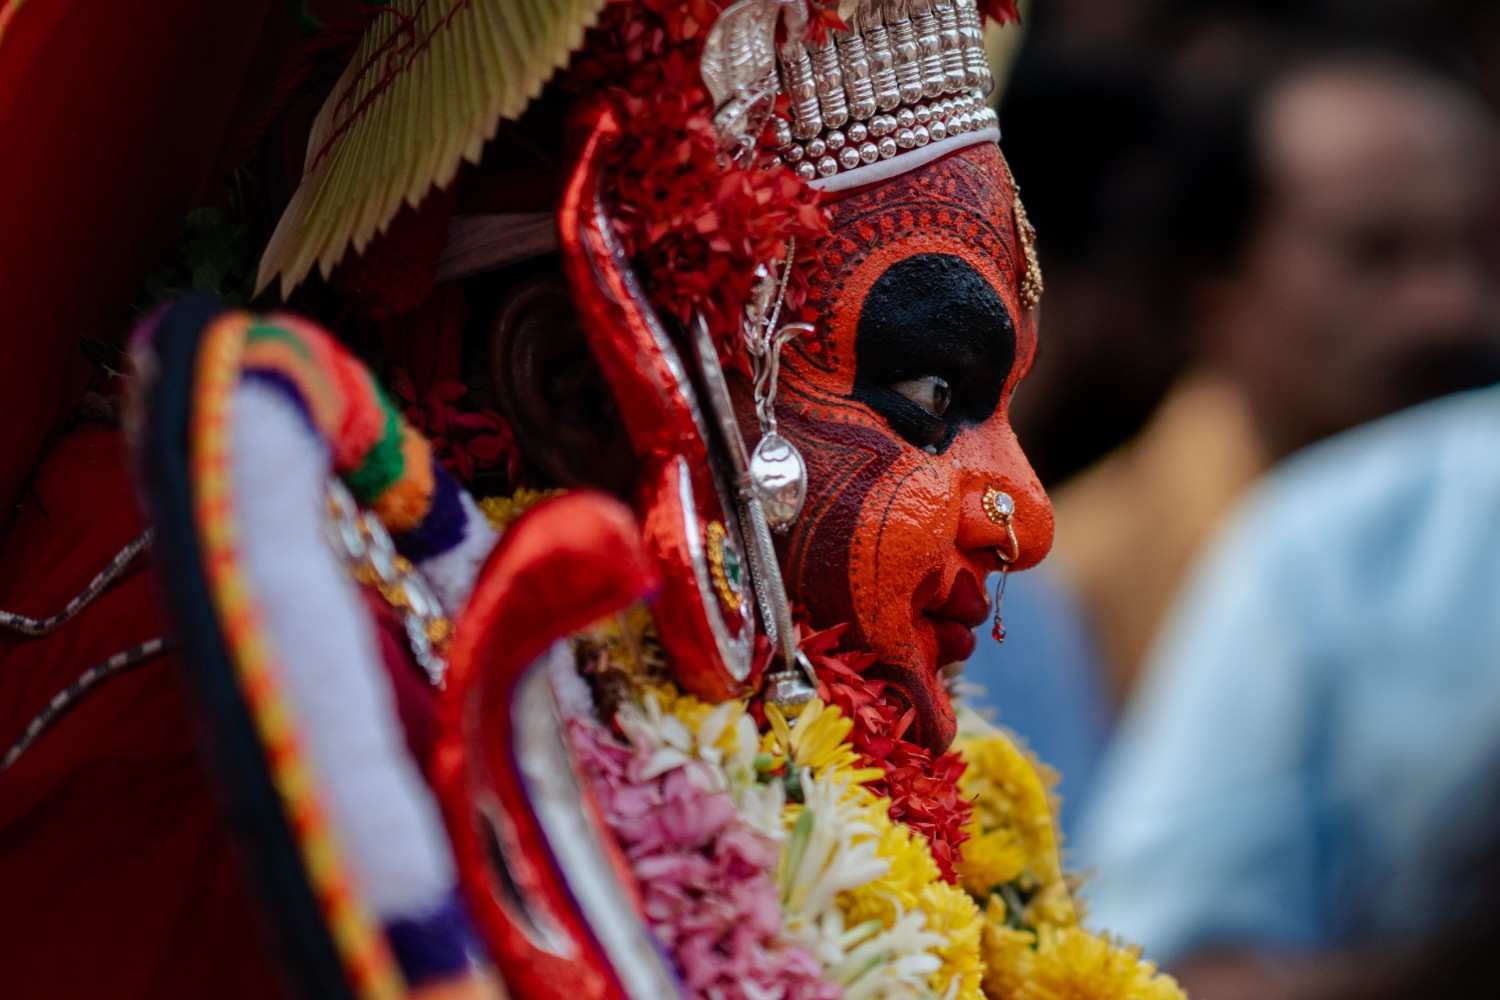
899	403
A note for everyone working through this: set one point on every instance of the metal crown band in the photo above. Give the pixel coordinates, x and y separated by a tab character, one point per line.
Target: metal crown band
906	73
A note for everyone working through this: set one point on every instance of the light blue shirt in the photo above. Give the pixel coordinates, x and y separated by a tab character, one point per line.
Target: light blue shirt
1314	757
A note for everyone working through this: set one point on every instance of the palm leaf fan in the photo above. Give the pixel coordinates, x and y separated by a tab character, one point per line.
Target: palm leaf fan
429	83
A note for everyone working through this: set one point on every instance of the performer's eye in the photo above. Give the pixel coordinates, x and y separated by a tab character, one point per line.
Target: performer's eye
930	392
933	349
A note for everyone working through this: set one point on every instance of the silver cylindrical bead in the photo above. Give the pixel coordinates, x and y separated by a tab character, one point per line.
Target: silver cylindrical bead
953	45
930	41
859	87
908	59
797	69
830	84
882	67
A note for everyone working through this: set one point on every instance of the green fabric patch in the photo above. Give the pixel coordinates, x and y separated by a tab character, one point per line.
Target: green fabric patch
264	331
384	464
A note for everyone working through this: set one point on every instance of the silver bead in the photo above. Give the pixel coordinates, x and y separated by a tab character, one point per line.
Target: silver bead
937	129
905	118
882	125
953	44
793	153
868	152
803	91
849	158
906	138
921	135
835	140
806	171
882	66
816	147
923	114
828	166
908	59
830	84
930	42
859	88
858	132
944	107
887	148
782	132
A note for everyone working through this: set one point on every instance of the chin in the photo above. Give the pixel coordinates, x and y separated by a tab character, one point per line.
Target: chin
923	689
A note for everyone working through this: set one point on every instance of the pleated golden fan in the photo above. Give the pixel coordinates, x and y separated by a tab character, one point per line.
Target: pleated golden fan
428	85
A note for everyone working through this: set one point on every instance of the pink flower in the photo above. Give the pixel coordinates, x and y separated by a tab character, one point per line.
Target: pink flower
703	875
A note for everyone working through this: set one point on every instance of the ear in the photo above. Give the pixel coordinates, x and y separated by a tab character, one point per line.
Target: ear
549	386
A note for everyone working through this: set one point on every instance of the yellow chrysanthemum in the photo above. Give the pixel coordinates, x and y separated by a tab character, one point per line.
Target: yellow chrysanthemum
1008	954
818	740
1072	964
910	870
951	913
502	512
1012	831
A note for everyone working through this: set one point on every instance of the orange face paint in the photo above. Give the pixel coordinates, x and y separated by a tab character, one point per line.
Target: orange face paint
916	285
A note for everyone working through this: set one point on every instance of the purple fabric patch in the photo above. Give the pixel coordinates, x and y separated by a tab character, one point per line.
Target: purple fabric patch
445	524
433	946
287	387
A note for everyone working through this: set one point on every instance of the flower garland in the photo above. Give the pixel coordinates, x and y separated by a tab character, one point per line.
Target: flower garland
803	857
923	790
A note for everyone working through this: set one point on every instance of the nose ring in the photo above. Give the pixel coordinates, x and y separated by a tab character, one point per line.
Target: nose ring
999	507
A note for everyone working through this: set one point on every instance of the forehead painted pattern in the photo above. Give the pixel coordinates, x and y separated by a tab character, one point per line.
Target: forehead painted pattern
959	205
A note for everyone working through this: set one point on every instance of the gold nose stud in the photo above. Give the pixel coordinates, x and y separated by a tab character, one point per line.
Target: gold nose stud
999	507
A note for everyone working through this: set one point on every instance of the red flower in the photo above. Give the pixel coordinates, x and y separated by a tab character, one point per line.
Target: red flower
467	440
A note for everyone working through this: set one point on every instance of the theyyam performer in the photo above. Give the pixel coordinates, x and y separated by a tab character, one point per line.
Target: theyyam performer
743	291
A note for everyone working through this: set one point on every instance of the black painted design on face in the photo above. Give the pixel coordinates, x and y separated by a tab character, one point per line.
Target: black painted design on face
933	349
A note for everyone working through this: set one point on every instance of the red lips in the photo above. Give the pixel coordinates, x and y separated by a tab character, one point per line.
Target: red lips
953	622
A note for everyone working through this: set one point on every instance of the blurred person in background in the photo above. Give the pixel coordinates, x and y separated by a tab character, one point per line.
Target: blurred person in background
1301	801
1303	250
1334	265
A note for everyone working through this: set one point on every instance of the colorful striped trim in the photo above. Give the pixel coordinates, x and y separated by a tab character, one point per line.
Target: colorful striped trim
366	956
386	463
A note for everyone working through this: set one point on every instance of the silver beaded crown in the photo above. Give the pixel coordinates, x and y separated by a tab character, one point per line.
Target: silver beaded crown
906	73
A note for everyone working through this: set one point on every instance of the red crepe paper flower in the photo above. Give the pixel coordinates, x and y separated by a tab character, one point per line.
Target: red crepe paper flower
695	224
468	440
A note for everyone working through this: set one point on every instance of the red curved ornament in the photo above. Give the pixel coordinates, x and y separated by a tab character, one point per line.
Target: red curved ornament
500	758
707	638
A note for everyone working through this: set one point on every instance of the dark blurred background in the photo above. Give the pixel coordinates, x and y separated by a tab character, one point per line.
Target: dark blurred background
1265	227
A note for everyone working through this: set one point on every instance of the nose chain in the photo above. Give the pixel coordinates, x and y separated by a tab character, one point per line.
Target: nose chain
1000	508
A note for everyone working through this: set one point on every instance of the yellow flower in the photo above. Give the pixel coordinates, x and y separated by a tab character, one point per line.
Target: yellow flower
951	913
1008	954
502	512
910	870
818	740
1072	964
1012	833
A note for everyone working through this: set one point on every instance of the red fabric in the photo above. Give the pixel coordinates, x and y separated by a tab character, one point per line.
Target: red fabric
118	875
112	116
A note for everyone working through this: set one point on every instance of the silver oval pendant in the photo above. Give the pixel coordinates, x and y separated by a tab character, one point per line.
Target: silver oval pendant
779	478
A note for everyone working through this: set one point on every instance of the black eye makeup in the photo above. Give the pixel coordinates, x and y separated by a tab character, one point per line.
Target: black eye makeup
933	348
